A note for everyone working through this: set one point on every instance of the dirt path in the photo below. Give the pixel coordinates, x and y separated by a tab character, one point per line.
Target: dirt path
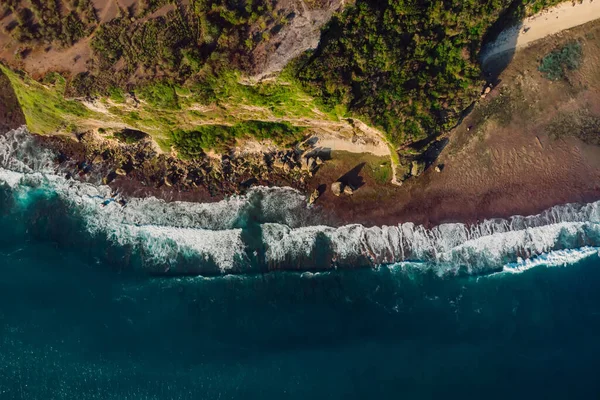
554	20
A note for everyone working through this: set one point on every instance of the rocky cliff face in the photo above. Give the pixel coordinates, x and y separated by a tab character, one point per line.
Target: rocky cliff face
11	116
301	32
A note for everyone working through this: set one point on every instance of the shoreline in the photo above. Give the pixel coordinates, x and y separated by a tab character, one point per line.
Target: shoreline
426	201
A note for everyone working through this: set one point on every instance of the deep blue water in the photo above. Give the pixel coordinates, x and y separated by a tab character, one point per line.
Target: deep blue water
72	328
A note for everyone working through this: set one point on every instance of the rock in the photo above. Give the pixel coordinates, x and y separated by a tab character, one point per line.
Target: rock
348	191
306	163
120	171
168	181
337	188
313	197
487	90
319	161
311	164
438	169
417	168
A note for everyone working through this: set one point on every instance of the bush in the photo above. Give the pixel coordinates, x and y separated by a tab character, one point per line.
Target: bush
555	64
160	95
192	144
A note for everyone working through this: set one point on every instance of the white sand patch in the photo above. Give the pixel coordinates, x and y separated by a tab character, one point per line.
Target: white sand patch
554	20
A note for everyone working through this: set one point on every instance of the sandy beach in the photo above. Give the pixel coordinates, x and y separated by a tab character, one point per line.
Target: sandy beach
549	22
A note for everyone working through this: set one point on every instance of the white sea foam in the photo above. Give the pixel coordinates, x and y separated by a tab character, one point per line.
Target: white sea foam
558	258
213	233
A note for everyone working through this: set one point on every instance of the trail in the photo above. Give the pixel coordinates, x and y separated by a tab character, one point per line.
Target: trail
554	20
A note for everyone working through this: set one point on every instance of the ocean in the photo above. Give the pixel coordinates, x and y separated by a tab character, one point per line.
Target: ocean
249	299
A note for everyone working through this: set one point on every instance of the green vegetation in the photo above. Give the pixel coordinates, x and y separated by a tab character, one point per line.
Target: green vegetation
160	95
116	94
196	41
555	64
408	66
44	21
45	108
191	144
129	135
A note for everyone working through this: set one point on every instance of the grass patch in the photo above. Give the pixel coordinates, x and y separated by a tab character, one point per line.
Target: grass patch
116	94
568	58
194	143
382	173
160	95
45	109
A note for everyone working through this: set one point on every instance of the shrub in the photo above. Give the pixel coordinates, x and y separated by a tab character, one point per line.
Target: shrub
555	64
194	143
160	95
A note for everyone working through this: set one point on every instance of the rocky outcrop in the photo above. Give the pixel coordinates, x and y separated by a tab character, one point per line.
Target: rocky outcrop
313	196
300	32
337	188
11	116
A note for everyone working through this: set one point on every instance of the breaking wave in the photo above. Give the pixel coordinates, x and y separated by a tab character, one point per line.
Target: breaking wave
269	228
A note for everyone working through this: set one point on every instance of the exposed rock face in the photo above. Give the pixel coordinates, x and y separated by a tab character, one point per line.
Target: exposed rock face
313	196
302	32
337	188
11	116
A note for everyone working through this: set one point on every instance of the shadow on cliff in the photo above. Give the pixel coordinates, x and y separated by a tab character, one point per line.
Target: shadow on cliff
11	115
499	43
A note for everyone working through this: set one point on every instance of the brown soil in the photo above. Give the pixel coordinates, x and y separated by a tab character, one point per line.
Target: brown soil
511	161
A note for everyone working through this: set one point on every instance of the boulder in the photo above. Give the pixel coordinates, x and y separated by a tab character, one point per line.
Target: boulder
319	161
313	197
417	168
120	171
348	191
337	188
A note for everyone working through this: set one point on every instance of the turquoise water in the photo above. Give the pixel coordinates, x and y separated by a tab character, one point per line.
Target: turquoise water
181	301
